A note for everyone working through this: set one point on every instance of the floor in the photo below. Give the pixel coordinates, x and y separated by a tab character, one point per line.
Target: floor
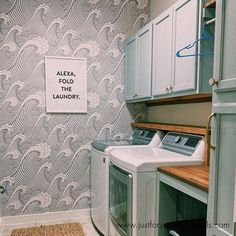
88	228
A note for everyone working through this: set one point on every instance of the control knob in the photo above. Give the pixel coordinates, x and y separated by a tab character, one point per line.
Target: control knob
177	139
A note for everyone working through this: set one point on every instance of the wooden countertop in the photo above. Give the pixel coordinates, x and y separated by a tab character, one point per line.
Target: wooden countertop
198	176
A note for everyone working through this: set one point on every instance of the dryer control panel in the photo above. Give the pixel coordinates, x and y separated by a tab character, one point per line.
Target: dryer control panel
181	142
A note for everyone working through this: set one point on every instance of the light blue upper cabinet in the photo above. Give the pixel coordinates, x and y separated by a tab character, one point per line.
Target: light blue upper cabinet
221	201
144	43
173	30
131	68
138	65
185	32
162	51
160	73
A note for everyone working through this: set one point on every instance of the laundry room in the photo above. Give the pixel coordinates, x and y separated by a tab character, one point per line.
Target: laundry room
117	117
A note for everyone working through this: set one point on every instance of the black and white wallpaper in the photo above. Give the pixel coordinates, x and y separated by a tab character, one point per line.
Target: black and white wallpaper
45	158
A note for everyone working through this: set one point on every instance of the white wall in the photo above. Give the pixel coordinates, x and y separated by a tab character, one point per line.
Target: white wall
158	6
190	114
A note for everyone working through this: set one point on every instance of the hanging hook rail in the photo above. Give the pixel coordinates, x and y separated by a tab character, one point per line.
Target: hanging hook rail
210	21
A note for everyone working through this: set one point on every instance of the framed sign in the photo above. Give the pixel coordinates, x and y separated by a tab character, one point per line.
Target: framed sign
66	84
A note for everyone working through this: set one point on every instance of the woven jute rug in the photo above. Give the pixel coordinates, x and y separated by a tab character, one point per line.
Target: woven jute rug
67	229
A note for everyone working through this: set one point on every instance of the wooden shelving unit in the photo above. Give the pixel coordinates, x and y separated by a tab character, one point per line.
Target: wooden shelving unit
196	98
201	130
210	4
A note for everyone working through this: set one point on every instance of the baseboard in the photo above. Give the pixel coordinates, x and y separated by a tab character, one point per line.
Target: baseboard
82	216
1	224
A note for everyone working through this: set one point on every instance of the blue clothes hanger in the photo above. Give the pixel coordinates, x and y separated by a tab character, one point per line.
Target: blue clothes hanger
204	37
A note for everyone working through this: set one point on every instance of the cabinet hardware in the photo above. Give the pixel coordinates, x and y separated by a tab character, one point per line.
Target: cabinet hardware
213	82
169	88
208	131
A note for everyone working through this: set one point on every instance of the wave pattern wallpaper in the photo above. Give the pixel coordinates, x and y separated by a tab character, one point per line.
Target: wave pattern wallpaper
45	158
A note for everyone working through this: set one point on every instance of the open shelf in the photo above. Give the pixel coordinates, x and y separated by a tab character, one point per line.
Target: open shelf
210	4
195	98
200	130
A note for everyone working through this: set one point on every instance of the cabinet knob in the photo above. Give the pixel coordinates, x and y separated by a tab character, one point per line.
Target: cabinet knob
169	88
213	82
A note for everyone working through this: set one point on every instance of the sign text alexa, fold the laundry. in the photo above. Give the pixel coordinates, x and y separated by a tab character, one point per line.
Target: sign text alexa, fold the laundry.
65	73
65	96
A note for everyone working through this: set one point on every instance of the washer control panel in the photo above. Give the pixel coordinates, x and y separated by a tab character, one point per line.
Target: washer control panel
142	136
181	142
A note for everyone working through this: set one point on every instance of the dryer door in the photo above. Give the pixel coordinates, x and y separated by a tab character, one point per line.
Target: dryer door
120	200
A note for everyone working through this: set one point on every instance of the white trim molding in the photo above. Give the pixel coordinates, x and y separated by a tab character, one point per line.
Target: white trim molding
1	225
13	222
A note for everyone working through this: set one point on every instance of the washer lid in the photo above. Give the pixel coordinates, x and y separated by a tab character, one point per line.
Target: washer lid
142	159
101	145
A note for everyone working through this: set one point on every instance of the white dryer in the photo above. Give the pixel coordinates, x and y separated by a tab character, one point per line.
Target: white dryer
133	180
100	172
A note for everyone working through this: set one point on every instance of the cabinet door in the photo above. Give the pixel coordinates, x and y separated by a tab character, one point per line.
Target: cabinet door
162	51
131	68
185	30
144	52
222	171
223	161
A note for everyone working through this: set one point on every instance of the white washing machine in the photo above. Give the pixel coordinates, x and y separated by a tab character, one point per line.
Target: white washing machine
100	172
133	181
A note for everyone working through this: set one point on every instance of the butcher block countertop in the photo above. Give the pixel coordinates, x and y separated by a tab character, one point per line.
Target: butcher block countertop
198	176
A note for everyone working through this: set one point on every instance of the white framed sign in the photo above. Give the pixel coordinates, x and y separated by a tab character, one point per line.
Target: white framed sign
66	84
